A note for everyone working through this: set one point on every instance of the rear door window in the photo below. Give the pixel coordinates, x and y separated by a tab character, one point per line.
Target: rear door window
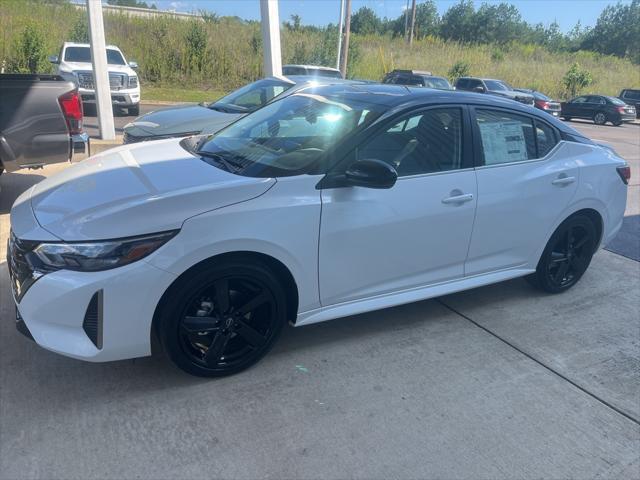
505	137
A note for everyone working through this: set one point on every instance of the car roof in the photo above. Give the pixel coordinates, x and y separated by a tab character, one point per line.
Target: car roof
314	67
76	44
391	96
411	72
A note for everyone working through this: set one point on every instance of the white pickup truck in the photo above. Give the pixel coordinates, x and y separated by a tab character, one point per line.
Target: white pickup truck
74	63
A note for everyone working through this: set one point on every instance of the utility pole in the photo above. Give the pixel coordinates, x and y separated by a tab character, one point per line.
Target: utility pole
347	32
340	26
100	70
413	21
271	38
406	22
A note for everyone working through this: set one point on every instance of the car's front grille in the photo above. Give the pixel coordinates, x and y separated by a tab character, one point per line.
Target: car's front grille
21	271
117	81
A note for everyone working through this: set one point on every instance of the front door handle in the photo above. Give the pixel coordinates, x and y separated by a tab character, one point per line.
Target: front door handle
459	199
563	180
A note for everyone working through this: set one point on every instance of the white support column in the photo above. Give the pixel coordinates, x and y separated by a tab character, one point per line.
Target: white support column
270	38
100	70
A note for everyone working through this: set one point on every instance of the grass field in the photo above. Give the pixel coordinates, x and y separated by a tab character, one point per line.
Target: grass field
200	61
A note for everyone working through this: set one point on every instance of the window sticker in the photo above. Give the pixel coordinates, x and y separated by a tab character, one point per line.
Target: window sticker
503	142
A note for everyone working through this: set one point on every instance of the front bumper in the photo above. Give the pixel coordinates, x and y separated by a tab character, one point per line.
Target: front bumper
54	311
124	98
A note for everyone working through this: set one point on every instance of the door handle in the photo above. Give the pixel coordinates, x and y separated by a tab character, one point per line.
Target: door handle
465	197
563	180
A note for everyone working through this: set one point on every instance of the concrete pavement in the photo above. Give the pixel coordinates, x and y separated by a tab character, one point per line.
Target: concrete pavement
498	382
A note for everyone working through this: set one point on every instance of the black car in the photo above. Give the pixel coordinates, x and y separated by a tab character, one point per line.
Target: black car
599	108
631	96
419	78
541	101
492	86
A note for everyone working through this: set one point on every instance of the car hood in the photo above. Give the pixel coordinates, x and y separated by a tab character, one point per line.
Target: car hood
135	190
181	120
513	94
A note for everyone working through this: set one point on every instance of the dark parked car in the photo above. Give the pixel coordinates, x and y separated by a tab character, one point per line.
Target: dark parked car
40	121
492	86
631	96
541	101
312	70
417	78
599	108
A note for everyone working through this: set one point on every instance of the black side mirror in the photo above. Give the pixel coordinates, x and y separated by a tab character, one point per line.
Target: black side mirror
478	89
371	173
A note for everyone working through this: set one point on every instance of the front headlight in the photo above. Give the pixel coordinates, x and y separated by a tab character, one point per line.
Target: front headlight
133	81
95	256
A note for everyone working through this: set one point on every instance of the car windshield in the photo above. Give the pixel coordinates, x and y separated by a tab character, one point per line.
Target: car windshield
437	82
287	137
496	85
83	55
251	97
615	101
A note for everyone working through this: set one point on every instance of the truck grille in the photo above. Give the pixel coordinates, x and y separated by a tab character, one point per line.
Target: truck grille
117	81
21	272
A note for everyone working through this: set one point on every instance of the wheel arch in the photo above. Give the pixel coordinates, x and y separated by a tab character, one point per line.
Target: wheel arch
276	266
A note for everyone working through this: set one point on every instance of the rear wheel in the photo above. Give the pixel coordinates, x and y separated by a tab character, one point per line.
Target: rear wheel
599	118
223	318
567	119
566	256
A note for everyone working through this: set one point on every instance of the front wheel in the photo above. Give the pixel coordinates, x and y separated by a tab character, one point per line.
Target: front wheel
567	119
566	256
223	318
599	118
134	111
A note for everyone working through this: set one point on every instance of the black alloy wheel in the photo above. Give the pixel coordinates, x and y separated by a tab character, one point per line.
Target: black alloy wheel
600	118
223	319
566	256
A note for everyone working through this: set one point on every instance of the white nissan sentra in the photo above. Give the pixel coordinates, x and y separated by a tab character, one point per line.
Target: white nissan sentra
333	201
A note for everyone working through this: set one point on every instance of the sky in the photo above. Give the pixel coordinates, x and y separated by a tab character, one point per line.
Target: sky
321	12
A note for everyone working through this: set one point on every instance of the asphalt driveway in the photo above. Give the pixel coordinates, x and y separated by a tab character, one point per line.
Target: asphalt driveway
497	382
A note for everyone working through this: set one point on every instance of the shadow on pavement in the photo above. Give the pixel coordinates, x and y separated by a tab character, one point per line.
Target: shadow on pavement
627	242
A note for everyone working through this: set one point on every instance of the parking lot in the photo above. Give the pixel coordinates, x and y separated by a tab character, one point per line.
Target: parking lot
490	383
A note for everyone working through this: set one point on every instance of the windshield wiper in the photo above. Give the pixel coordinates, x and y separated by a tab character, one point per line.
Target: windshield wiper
229	165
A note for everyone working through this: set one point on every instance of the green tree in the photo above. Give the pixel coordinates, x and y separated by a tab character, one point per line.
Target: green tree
365	21
295	25
458	22
131	3
427	19
80	30
576	79
458	69
617	31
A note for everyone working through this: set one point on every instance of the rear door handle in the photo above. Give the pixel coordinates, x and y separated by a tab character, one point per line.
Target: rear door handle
466	197
563	180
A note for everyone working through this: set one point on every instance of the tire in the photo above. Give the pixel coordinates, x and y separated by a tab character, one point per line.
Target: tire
567	119
600	118
617	123
238	308
134	111
566	256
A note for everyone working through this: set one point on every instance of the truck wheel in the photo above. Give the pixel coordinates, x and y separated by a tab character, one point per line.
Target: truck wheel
134	111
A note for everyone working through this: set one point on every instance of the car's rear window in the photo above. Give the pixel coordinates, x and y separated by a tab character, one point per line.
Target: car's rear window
616	101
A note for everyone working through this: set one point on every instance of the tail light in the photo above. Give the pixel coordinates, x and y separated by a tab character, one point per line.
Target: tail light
72	110
542	104
625	173
620	109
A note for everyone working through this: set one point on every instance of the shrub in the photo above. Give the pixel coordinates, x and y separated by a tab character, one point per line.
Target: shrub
576	79
458	69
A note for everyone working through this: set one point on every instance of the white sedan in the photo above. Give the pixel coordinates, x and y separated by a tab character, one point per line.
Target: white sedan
333	201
